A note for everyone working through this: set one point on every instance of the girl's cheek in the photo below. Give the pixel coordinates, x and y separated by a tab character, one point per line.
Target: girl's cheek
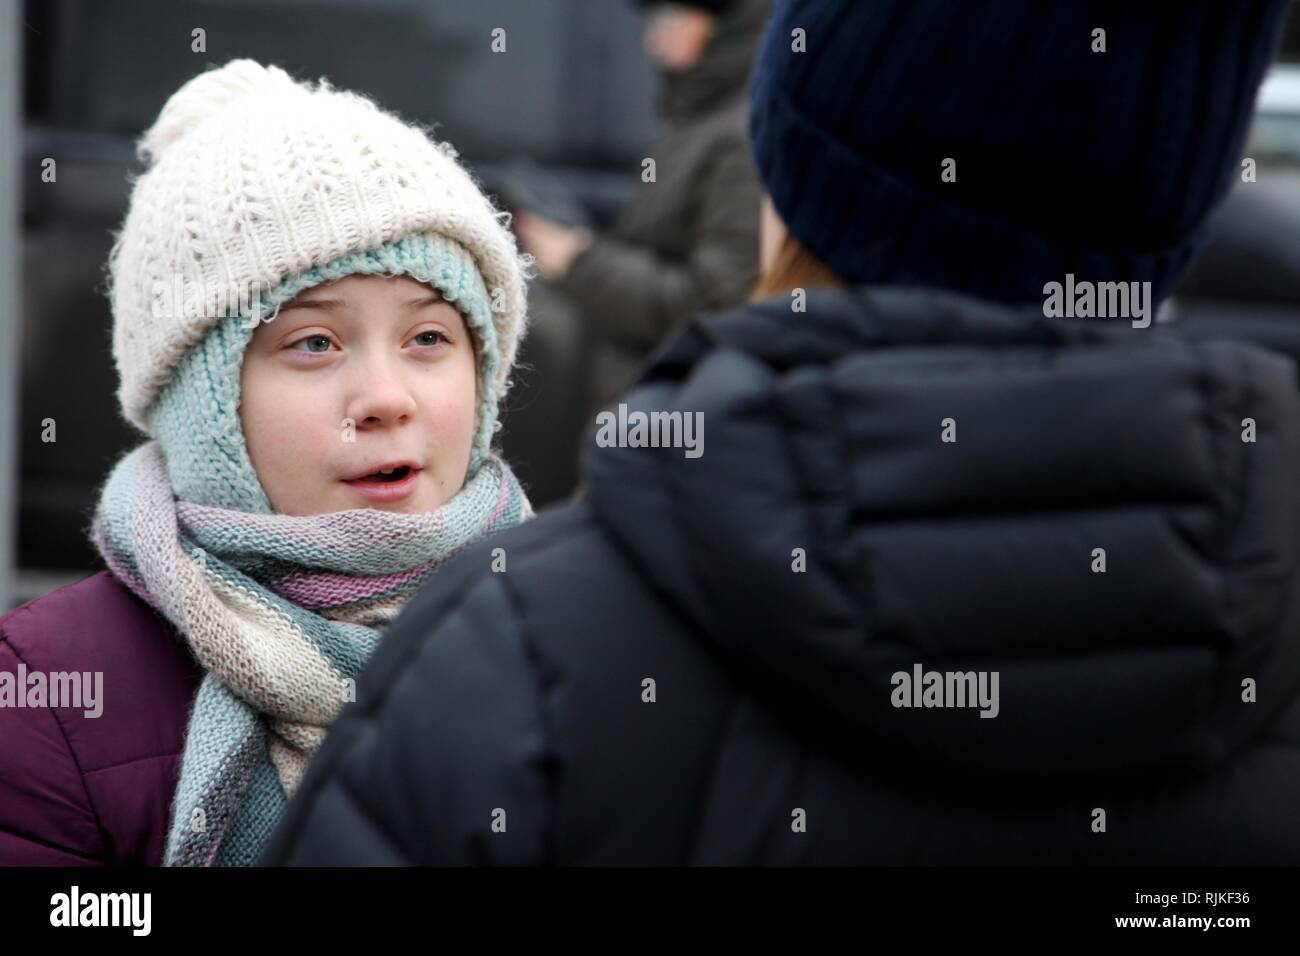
454	402
281	418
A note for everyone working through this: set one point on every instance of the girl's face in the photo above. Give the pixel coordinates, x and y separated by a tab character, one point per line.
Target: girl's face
357	375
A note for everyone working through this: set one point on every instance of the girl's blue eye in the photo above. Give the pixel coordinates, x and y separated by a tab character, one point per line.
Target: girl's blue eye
437	337
325	339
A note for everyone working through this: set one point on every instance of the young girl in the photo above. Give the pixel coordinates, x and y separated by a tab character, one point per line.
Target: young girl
315	314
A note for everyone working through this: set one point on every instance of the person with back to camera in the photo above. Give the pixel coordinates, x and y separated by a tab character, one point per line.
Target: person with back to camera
953	580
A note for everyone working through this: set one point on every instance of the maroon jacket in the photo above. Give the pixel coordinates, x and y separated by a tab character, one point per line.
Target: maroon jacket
85	791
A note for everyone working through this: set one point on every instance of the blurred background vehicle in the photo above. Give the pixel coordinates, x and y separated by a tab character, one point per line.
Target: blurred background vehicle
562	118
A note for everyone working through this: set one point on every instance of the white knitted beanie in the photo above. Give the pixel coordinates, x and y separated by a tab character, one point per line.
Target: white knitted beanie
253	179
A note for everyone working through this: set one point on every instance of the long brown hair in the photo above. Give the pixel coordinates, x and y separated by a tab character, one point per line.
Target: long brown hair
794	268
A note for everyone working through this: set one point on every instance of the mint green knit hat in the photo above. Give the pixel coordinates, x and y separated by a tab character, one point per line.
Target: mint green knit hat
196	416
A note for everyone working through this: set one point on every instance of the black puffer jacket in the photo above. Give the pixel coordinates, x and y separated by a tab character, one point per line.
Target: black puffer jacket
505	719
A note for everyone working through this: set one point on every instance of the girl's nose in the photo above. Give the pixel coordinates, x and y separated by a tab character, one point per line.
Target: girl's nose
380	399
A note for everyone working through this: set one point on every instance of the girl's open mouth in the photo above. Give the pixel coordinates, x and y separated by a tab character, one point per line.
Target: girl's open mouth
394	474
390	485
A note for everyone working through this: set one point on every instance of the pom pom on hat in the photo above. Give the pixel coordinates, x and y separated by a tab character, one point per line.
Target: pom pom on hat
210	93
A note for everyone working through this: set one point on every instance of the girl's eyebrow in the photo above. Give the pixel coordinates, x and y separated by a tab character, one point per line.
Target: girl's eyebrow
432	298
313	304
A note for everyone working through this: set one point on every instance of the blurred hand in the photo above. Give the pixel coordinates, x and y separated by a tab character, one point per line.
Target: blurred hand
553	245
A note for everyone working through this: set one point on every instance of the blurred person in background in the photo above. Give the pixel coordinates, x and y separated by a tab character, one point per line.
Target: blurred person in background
732	657
688	240
316	453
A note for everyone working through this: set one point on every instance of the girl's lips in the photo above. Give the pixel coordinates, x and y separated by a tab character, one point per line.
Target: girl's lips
385	490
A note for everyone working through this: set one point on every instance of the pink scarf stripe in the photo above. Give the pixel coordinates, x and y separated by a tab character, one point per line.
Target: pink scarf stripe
328	589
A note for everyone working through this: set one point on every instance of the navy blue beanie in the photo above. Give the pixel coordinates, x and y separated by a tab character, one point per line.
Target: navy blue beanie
1101	164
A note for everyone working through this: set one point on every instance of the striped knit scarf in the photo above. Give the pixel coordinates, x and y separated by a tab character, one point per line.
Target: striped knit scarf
281	612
